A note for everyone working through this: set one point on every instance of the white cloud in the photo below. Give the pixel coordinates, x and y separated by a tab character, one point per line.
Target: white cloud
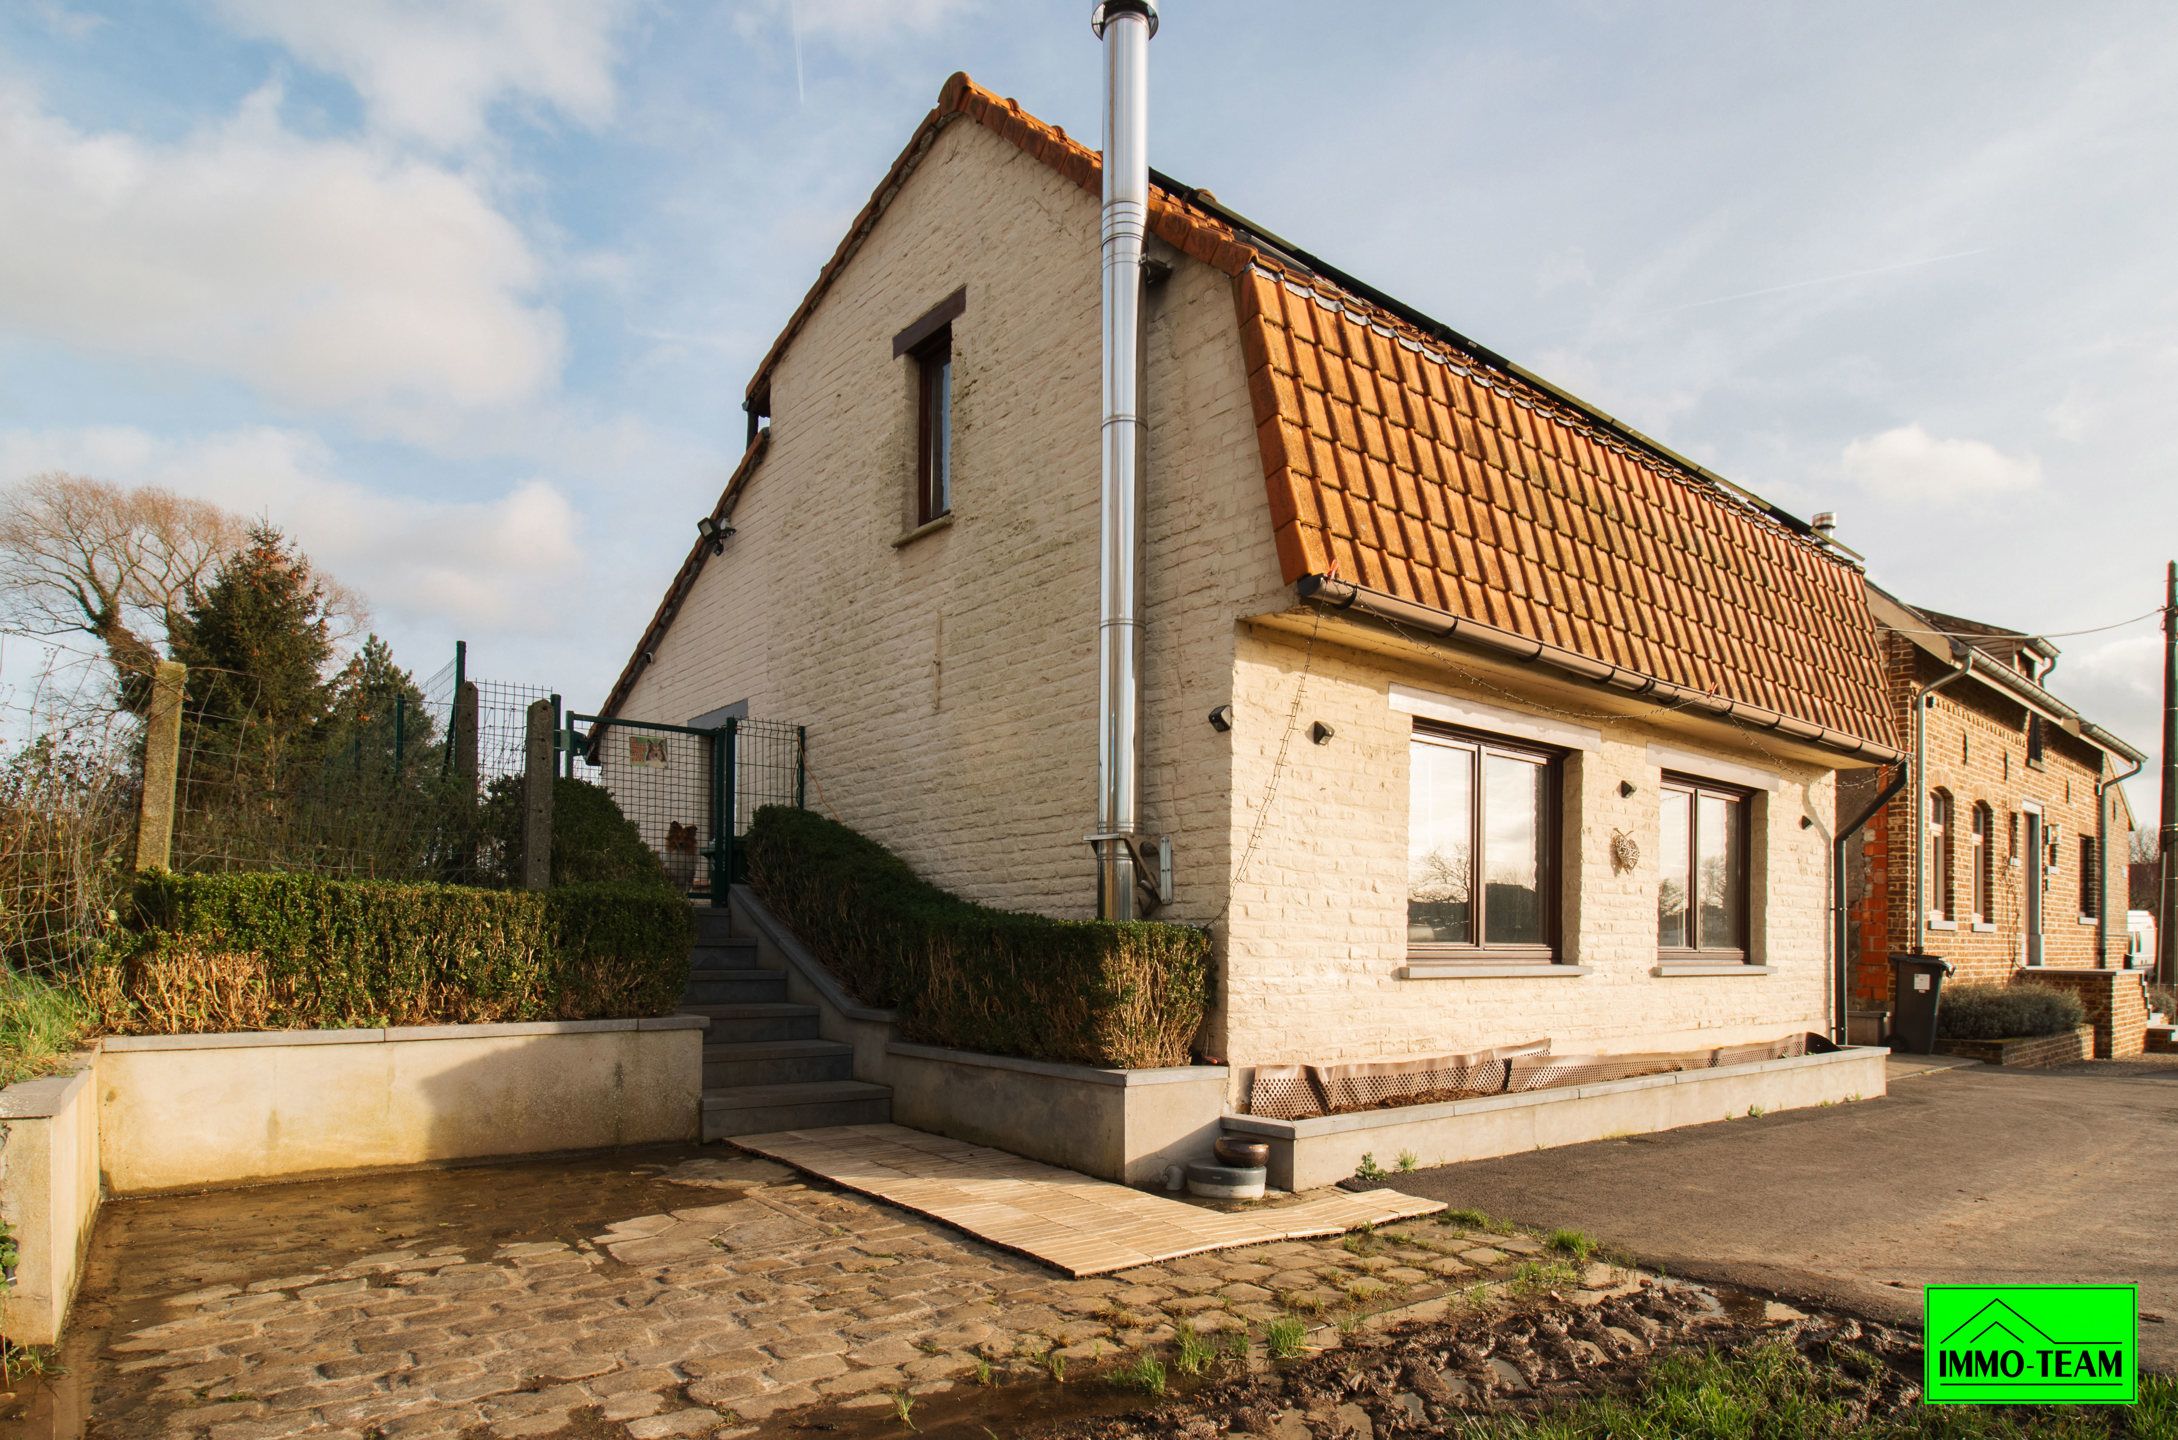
324	273
1908	463
500	564
432	71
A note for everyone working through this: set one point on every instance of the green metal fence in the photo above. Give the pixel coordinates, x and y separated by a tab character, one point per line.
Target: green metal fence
691	790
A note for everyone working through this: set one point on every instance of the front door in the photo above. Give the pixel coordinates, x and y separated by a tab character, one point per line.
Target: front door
2036	879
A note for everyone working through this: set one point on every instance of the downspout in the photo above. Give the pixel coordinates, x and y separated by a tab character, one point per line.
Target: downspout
1920	797
1841	996
2102	863
1125	27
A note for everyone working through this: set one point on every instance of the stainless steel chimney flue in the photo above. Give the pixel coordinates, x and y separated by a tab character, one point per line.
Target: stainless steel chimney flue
1125	27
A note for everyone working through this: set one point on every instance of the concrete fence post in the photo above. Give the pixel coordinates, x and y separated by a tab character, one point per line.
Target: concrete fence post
537	771
162	766
465	732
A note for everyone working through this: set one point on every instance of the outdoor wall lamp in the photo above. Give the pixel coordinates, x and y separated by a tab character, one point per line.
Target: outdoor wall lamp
716	533
1626	788
1221	719
1321	733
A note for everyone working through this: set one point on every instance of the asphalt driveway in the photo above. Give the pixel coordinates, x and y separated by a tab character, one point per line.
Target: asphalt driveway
1959	1175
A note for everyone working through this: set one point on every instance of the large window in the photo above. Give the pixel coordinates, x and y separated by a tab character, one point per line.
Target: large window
1701	894
1482	877
1943	899
1984	862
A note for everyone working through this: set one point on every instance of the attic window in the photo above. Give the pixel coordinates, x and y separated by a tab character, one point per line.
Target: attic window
928	344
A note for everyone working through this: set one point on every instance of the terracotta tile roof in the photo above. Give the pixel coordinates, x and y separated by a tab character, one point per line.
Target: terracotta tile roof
1404	465
1401	458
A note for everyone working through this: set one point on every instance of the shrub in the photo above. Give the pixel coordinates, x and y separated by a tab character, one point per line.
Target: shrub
257	950
592	842
1075	991
2006	1012
40	1024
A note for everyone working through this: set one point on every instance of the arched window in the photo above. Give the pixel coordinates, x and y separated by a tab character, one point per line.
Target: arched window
1984	863
1942	896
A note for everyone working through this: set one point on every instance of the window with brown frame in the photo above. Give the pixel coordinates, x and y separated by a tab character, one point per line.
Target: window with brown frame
1702	885
928	345
1943	895
2090	901
1984	862
1482	869
934	426
2035	741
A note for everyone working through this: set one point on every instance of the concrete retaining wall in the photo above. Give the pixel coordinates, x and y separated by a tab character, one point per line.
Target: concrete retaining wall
48	1195
1325	1150
1124	1125
187	1110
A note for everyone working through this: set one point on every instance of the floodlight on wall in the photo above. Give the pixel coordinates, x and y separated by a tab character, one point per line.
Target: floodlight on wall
711	529
1321	733
1221	719
1626	788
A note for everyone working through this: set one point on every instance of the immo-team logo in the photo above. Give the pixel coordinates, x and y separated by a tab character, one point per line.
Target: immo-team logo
2031	1344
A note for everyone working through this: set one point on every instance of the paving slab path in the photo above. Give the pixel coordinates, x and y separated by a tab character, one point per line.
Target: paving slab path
1074	1223
645	1294
1964	1174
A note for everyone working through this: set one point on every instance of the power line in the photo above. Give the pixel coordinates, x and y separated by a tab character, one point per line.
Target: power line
2154	614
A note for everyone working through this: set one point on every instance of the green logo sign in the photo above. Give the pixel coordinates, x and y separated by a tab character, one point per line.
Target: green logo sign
2031	1344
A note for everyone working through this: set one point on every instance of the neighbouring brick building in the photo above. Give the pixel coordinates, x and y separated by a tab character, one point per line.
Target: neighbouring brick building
1472	715
1996	855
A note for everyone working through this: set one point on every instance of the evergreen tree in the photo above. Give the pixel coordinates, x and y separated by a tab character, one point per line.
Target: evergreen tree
257	641
378	716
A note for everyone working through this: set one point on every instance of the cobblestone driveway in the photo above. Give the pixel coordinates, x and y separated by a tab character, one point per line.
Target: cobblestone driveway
680	1293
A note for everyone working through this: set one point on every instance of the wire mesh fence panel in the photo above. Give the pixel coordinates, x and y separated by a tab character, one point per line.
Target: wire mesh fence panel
663	779
502	725
363	792
767	768
70	774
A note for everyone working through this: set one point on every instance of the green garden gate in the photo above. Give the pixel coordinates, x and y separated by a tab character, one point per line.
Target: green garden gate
691	790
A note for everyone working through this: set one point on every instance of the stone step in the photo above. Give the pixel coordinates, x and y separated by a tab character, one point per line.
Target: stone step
734	987
713	922
777	1062
735	1024
758	1109
731	953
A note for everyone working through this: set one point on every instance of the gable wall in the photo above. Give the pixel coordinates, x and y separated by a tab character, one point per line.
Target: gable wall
949	684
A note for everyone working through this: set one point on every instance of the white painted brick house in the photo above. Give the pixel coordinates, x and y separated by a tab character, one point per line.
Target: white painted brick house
1505	681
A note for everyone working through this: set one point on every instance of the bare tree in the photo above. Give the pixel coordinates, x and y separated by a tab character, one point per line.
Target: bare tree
2147	844
86	556
81	555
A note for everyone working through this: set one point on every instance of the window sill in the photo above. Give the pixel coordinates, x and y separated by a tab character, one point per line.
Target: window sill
928	527
1707	967
1983	927
1943	924
2087	919
1471	970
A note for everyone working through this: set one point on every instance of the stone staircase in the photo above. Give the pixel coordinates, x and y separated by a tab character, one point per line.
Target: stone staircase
764	1066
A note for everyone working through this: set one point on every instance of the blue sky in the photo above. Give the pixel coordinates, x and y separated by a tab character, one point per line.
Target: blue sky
464	295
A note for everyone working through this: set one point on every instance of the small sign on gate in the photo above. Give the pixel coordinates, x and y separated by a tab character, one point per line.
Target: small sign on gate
646	750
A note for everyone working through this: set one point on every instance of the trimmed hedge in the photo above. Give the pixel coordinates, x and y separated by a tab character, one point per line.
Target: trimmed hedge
258	950
962	975
2006	1012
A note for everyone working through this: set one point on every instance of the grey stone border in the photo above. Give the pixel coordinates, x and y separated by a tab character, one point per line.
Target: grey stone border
1445	1110
1081	1074
1666	970
249	1039
44	1096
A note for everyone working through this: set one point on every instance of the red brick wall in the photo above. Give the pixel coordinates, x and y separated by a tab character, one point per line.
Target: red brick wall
1977	751
2116	1003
